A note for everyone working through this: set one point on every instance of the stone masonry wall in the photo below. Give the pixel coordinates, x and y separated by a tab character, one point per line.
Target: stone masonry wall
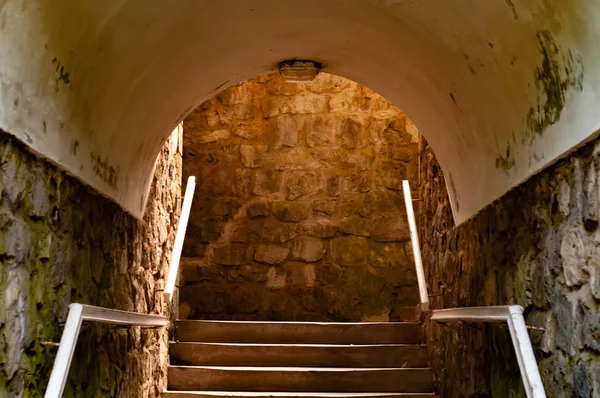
539	247
298	213
60	243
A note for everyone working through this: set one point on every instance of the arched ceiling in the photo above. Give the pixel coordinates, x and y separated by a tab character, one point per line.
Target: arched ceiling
499	88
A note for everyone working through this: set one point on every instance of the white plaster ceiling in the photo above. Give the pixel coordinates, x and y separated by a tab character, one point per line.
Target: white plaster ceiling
499	88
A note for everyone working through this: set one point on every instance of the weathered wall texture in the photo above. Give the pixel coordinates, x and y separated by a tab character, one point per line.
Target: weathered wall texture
60	242
298	213
539	246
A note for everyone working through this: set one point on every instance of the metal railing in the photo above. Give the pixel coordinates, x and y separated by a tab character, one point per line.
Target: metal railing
414	237
513	316
179	238
79	313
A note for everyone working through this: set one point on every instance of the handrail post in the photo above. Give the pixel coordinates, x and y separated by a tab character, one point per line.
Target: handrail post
62	363
525	356
513	316
179	238
414	237
79	313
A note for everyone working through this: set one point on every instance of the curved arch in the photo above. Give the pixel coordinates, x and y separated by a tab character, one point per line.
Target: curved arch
500	89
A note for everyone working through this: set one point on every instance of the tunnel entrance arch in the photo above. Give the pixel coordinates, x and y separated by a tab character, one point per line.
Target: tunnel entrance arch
299	212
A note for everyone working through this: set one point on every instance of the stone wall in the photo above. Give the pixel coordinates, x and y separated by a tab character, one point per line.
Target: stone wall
298	213
538	246
60	243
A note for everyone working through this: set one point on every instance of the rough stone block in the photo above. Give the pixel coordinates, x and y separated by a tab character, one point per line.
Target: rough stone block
350	251
244	299
321	228
359	182
15	238
39	195
242	183
224	209
248	111
344	102
574	258
390	228
308	249
330	157
398	277
280	232
321	132
213	136
206	232
194	270
405	152
267	182
303	103
594	268
219	182
390	175
272	105
349	204
355	225
271	254
377	201
209	301
251	156
291	211
287	128
353	135
334	185
294	159
303	183
276	279
230	255
251	130
325	207
261	208
248	273
246	232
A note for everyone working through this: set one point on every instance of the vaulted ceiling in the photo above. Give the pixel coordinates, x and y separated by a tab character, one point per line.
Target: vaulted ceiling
499	88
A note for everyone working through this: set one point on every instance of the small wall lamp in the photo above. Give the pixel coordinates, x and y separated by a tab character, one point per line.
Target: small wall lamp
299	71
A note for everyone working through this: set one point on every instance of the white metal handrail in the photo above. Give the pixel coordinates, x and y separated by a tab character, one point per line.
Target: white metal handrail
179	238
513	316
414	237
79	313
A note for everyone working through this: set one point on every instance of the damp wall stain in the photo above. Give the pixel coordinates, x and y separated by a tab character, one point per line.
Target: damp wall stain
109	174
560	72
513	9
505	161
455	195
63	77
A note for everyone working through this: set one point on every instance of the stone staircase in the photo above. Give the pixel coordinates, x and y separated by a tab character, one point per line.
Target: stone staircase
298	359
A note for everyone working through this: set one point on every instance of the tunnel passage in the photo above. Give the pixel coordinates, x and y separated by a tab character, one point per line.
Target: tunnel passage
499	88
298	214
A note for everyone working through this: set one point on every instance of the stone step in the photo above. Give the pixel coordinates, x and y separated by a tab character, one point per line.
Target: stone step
224	378
378	356
298	332
244	394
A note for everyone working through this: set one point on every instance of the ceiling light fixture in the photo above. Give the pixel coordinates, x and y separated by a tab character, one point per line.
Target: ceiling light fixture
299	71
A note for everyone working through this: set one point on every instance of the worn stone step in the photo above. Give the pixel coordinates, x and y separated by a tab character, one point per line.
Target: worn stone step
244	394
226	378
298	332
323	355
